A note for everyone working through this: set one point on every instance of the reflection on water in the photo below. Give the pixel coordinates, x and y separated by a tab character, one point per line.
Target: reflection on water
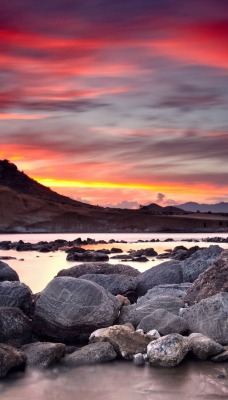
122	381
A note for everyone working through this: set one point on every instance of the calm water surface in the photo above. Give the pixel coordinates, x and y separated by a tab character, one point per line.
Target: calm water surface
117	380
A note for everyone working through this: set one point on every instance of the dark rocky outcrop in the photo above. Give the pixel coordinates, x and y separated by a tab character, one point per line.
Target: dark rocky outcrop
168	351
209	317
88	256
70	309
10	359
91	354
98	268
164	322
43	354
15	327
16	294
125	341
7	273
115	283
212	281
165	273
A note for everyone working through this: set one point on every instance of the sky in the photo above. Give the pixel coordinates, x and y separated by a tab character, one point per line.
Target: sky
117	103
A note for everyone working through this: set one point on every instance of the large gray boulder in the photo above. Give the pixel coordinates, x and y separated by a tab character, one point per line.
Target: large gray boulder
115	283
125	341
7	273
15	327
136	312
199	262
16	294
98	268
91	354
168	272
69	309
175	290
43	354
10	358
164	322
204	347
168	351
209	317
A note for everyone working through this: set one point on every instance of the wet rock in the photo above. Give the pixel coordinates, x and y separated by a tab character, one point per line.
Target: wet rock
15	327
91	256
199	262
168	351
209	317
165	273
98	268
16	294
136	312
204	347
115	283
164	322
116	250
138	359
43	354
10	359
222	357
175	290
91	354
70	309
125	342
212	281
7	273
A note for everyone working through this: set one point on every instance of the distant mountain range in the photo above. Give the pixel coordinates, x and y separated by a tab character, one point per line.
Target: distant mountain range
214	208
27	206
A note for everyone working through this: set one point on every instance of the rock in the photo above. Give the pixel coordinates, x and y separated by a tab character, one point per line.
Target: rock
69	309
140	259
123	300
115	283
204	347
125	342
116	250
136	312
91	354
168	351
165	273
10	358
7	273
138	359
153	334
176	290
43	354
212	281
91	256
199	262
16	294
222	357
209	317
164	322
15	327
98	268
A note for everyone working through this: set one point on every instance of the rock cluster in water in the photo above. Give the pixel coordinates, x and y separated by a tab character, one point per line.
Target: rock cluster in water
96	312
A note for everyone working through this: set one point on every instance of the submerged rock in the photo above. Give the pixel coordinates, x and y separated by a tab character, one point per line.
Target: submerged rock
92	256
91	354
69	309
43	354
168	351
10	358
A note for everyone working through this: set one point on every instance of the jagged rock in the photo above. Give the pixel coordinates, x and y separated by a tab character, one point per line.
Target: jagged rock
222	357
16	294
136	312
176	290
43	354
98	268
164	322
199	262
15	327
70	308
165	273
92	256
125	342
10	358
209	317
91	354
168	351
7	273
204	347
115	283
212	281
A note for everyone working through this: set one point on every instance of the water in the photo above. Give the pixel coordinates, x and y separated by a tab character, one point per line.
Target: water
120	379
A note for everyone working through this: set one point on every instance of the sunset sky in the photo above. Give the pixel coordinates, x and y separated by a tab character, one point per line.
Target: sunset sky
117	102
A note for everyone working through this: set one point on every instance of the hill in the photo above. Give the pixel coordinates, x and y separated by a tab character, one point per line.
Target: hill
214	208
